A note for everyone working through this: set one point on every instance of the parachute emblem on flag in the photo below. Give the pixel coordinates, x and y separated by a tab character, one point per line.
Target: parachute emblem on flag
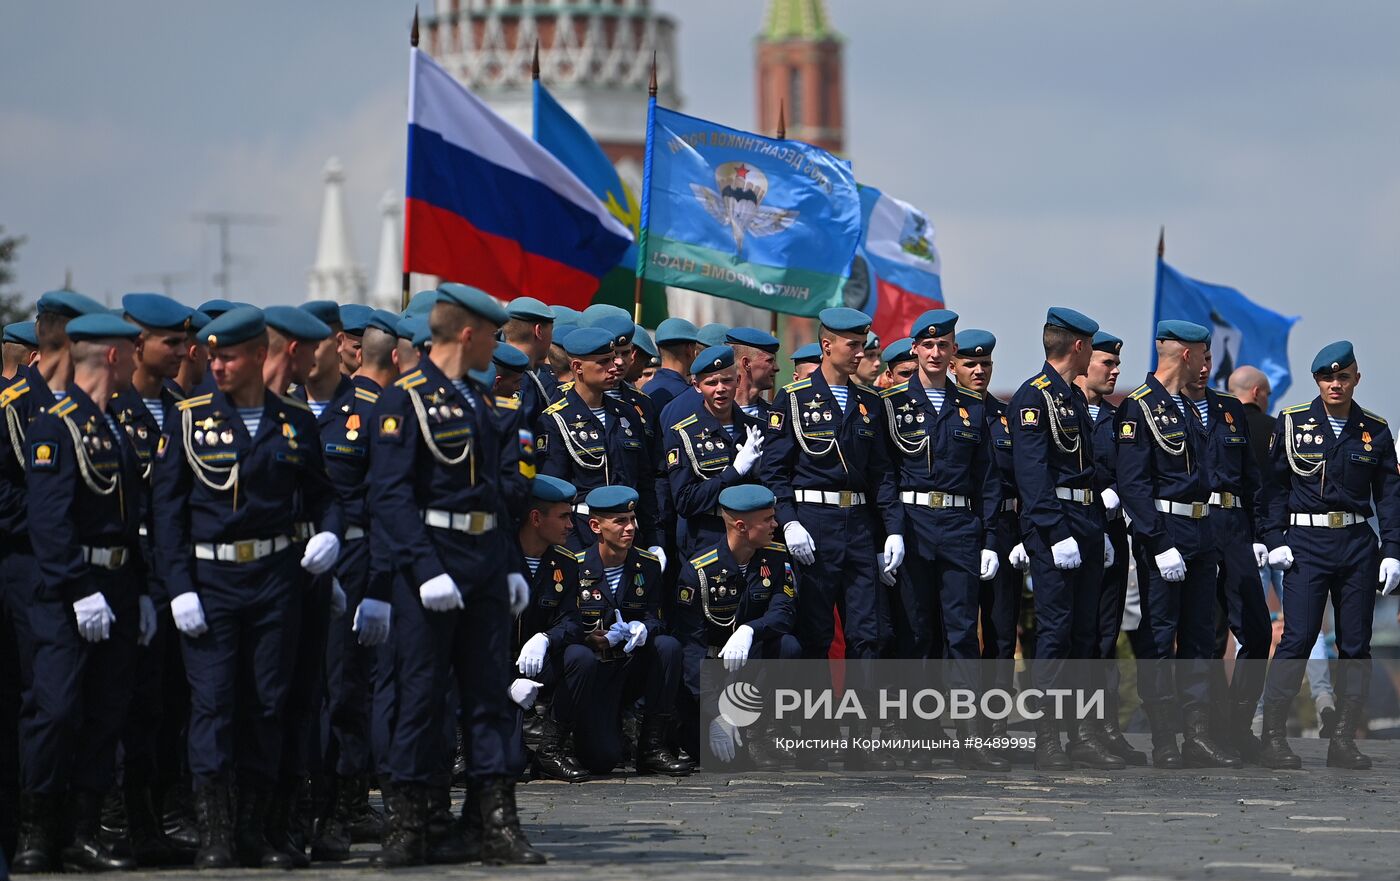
737	202
916	239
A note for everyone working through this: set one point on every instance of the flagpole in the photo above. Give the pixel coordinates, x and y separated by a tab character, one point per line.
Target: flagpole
403	294
782	135
646	197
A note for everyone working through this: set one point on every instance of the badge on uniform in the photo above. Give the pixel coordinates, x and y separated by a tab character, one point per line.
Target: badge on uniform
673	458
43	456
161	445
685	594
389	426
1030	418
775	421
1127	431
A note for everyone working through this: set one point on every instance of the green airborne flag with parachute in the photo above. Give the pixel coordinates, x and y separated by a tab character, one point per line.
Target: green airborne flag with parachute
768	222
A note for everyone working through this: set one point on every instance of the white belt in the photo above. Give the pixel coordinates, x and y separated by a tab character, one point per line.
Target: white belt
1225	500
1082	496
470	522
935	500
581	509
1194	510
843	499
105	558
1330	520
242	551
354	532
1010	505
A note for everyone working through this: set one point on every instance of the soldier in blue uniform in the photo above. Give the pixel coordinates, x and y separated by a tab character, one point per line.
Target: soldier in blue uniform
737	597
1332	462
548	626
435	488
900	363
624	331
805	361
354	318
679	343
1165	484
84	501
1062	522
756	357
951	496
529	329
19	348
236	467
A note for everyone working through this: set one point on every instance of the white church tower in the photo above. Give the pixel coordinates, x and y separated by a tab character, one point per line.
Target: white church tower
388	272
336	275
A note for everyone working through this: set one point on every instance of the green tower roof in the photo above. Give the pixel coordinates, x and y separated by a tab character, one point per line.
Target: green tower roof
798	20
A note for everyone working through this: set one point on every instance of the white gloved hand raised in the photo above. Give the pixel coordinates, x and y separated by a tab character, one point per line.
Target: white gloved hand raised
532	654
637	637
1390	576
1109	555
1111	502
1018	558
519	591
894	553
94	616
372	621
1261	555
736	649
1066	554
524	692
723	739
338	599
991	564
1171	565
1281	558
749	451
188	614
799	543
146	627
619	631
440	594
322	550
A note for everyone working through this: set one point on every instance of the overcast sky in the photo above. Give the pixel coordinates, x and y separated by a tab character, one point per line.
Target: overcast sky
1047	141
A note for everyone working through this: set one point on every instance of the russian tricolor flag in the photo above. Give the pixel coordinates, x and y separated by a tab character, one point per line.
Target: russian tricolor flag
487	206
904	269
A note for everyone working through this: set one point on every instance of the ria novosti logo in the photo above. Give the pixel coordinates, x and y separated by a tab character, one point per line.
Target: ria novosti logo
740	704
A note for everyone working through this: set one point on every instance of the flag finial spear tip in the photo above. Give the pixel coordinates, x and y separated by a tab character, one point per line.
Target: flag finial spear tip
651	86
535	62
782	119
413	34
1162	243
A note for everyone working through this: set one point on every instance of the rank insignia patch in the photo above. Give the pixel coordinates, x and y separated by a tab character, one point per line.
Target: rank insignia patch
1030	417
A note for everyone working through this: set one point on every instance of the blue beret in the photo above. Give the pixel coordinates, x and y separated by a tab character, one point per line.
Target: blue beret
485	378
621	327
383	319
899	350
712	359
354	318
593	316
198	320
810	353
422	332
237	325
21	332
872	340
510	358
327	311
1182	331
1059	316
566	313
561	331
676	330
68	303
643	341
296	323
975	342
712	334
473	300
753	338
611	500
157	311
1333	357
422	303
101	326
1107	342
529	309
216	307
552	489
406	328
587	341
934	322
844	319
746	497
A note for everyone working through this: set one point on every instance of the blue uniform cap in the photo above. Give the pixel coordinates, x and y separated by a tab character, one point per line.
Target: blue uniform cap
101	326
384	320
1333	357
407	327
753	338
326	311
562	329
1107	342
216	307
746	497
566	313
676	330
21	332
897	351
68	303
236	326
934	323
422	302
354	318
588	341
808	354
1182	331
593	316
486	378
643	341
198	320
712	334
156	311
972	342
552	489
296	323
1076	322
844	319
529	309
872	341
422	332
508	357
473	300
612	500
621	327
712	359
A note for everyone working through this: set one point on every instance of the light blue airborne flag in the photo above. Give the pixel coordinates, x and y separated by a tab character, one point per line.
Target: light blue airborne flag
1242	332
769	222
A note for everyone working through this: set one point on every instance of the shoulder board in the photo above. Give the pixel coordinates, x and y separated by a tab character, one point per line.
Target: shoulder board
686	421
1374	416
636	391
366	395
295	402
507	403
647	555
566	387
1140	392
578	557
64	407
560	549
1041	381
797	386
976	396
895	389
776	546
1225	394
556	406
197	401
1299	408
413	380
705	559
14	393
867	388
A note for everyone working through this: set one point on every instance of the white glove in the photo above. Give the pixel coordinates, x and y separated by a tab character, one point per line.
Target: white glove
146	627
889	579
799	543
532	655
619	631
723	739
655	550
188	614
519	590
524	692
1111	502
638	637
1019	559
894	552
749	451
440	593
736	650
1261	555
94	617
339	602
322	550
1390	575
990	564
372	621
1171	565
1108	553
1066	554
1281	558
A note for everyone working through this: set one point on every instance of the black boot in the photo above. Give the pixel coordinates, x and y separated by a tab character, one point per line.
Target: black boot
112	827
406	843
363	822
256	812
1116	743
459	761
1088	749
1197	748
1341	749
1276	752
144	831
177	818
1049	755
502	840
972	755
1164	751
760	746
38	834
1241	734
446	844
332	841
280	823
553	756
215	822
470	822
86	852
653	756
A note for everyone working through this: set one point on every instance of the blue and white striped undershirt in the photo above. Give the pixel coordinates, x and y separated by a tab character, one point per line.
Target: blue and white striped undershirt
317	407
1203	407
465	391
752	409
533	563
614	576
156	408
842	394
252	418
1337	425
936	397
1094	411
